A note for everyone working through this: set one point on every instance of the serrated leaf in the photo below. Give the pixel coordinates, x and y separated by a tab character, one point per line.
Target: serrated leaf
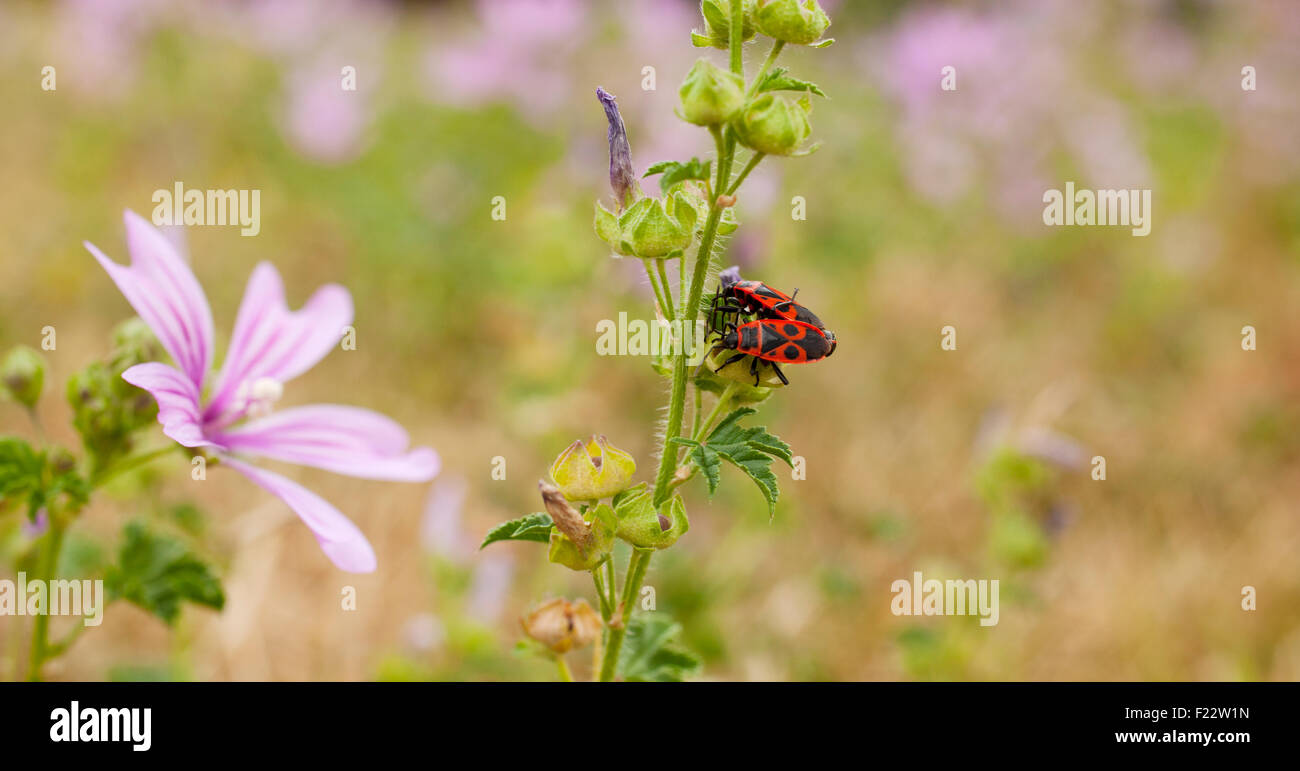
749	449
534	527
158	573
676	171
780	79
651	652
706	459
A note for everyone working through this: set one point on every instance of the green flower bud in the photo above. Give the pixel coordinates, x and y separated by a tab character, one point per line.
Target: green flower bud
657	229
642	525
717	24
800	22
134	343
774	125
563	626
589	471
22	375
711	95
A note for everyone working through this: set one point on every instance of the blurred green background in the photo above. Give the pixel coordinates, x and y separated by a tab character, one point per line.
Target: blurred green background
923	210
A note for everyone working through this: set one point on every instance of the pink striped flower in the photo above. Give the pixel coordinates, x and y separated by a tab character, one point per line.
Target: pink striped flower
270	346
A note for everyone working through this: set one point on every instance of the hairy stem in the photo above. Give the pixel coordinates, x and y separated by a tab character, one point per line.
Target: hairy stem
767	65
690	312
754	160
737	38
636	568
670	310
664	307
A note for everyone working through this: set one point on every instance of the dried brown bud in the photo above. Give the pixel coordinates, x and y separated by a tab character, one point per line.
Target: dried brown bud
566	518
726	201
562	625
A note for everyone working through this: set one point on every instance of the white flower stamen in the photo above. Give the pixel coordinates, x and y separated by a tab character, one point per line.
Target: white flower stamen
256	398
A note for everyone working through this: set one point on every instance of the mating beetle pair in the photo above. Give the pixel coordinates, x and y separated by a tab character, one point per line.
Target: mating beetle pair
783	331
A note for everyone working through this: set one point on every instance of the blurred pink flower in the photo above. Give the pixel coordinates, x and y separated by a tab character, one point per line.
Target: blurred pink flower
1007	117
270	346
323	121
487	594
441	531
516	57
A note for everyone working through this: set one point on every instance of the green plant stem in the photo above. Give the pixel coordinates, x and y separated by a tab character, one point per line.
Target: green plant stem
636	568
723	399
767	65
128	464
670	310
602	595
691	311
737	38
699	411
754	160
563	666
654	285
41	626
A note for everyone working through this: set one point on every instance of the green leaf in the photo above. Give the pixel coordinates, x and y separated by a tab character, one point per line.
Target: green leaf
38	478
780	79
534	527
158	573
21	472
749	449
651	652
707	459
675	171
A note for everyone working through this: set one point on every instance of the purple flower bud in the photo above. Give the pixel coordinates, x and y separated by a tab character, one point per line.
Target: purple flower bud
36	527
621	177
729	276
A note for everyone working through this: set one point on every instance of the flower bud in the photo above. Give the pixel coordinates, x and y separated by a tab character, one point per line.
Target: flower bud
134	343
622	180
22	375
717	24
800	22
589	471
657	229
641	524
563	626
711	95
774	125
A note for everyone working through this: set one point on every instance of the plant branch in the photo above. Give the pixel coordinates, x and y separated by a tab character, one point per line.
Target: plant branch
636	568
754	160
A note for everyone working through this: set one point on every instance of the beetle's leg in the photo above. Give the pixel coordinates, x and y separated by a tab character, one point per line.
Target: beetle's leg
732	360
780	374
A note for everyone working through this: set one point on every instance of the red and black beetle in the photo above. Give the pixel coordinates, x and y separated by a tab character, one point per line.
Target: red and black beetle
775	341
755	297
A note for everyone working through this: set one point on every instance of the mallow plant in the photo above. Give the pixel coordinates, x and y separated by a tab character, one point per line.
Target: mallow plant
161	369
591	500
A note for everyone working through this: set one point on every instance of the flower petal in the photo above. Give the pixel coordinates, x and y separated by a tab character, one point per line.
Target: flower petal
178	401
270	341
160	286
346	440
341	540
